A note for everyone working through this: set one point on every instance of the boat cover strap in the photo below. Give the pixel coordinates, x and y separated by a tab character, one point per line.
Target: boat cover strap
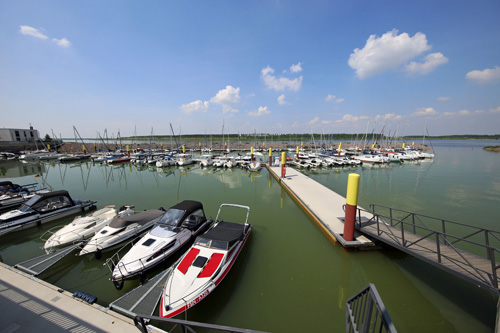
212	265
188	260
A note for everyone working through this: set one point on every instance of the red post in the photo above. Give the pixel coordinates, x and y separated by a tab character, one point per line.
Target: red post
351	206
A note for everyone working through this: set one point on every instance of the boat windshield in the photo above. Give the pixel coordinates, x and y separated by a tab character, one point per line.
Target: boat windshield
211	243
171	218
33	200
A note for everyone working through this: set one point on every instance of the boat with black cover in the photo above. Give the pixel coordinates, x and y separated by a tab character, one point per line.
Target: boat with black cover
42	208
121	229
180	224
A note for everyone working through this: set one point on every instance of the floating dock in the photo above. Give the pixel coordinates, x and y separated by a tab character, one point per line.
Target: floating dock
30	304
323	205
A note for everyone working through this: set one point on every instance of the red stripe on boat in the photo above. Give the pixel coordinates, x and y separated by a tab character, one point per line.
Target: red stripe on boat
212	265
188	260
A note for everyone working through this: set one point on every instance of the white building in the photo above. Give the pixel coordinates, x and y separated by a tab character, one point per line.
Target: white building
17	135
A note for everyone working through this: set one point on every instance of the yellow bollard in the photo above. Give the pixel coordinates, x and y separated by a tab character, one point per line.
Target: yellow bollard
351	206
297	156
48	147
251	154
183	149
270	157
340	147
283	161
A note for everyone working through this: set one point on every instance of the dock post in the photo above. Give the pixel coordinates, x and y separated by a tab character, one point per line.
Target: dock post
251	154
351	206
199	145
270	157
283	160
297	156
183	149
340	145
84	150
128	151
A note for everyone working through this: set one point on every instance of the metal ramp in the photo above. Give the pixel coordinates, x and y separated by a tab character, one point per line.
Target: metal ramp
436	241
143	299
38	265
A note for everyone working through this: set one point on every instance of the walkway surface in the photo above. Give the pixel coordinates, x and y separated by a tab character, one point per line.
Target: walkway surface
29	304
322	204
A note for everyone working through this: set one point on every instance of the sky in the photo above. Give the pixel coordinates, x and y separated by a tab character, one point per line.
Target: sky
350	66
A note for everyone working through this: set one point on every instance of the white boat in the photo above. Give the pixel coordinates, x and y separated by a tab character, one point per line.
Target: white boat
371	159
121	229
180	224
13	195
42	208
184	159
204	265
167	161
254	166
206	160
84	227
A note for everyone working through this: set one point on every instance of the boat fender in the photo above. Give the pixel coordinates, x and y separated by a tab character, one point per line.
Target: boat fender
162	209
118	284
85	297
98	254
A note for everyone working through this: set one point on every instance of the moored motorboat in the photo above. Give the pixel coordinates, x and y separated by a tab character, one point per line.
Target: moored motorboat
204	265
179	225
83	227
121	229
254	166
42	208
13	195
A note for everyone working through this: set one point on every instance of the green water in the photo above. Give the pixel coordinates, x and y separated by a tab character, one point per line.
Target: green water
290	277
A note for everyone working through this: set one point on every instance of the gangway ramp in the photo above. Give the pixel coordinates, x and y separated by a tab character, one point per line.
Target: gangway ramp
143	299
38	265
414	235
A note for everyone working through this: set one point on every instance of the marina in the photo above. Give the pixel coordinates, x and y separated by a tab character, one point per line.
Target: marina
279	226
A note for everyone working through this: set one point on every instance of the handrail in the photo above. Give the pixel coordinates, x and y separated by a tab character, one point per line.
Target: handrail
140	323
361	308
440	237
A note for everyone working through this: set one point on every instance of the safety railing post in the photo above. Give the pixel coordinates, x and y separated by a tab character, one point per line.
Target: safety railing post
438	247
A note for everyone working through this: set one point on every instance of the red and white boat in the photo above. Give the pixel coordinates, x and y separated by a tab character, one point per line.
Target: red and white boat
204	265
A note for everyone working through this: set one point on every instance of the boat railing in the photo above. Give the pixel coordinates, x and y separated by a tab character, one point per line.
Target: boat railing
365	312
400	225
141	321
113	261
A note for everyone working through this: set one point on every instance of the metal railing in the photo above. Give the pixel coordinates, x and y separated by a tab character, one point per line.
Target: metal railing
365	312
404	223
140	322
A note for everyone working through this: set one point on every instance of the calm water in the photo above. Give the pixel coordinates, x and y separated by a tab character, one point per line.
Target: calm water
290	277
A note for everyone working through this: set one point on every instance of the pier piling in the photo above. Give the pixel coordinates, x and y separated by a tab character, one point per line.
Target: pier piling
351	206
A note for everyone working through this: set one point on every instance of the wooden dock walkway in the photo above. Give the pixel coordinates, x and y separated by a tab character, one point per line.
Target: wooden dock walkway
323	205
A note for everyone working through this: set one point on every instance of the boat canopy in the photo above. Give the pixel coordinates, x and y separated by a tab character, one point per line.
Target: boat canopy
139	218
226	231
47	195
176	214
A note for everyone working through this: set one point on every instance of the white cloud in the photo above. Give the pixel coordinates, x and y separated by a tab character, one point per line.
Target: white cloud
326	122
464	112
431	61
30	31
443	99
387	52
196	106
27	30
388	116
260	112
229	95
351	118
497	110
296	68
281	83
63	42
486	76
330	98
228	109
281	100
333	98
425	112
314	121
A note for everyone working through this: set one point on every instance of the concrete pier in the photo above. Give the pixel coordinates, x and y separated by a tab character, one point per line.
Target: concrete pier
31	305
323	205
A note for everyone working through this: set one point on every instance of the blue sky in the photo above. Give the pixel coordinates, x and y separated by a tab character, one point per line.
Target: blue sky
265	66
